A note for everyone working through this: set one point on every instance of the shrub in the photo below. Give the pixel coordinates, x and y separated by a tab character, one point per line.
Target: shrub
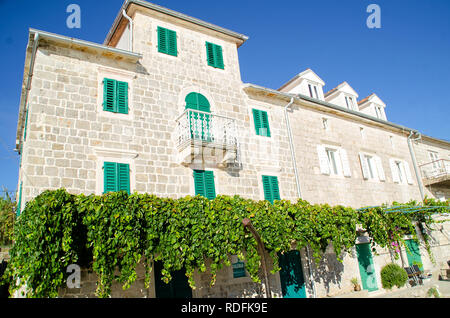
393	275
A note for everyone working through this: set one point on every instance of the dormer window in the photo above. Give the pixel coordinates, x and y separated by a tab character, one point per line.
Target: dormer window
350	103
313	91
379	112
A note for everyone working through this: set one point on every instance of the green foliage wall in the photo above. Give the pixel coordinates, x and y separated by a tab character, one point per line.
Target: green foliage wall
117	231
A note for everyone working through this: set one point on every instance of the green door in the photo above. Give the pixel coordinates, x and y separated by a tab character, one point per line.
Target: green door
291	275
178	287
200	122
413	253
366	267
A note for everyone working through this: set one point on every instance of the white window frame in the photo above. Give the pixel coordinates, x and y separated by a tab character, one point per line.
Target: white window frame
112	155
340	158
401	172
313	91
434	157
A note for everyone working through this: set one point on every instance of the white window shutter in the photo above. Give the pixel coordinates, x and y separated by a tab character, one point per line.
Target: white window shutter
380	169
394	171
408	172
323	160
364	166
345	163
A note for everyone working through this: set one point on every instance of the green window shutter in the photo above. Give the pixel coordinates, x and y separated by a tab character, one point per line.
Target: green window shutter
115	96
110	177
204	184
123	172
162	40
261	121
109	95
265	123
172	43
210	188
26	124
214	55
210	54
122	97
267	189
275	188
167	41
218	56
19	203
116	177
199	182
271	189
257	120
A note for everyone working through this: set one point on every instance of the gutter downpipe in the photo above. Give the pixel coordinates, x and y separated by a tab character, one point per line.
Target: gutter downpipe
130	45
294	164
413	157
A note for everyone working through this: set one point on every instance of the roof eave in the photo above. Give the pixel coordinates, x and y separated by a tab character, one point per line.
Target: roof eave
240	37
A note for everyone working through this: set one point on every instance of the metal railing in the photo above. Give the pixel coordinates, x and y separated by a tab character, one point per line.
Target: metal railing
435	169
208	128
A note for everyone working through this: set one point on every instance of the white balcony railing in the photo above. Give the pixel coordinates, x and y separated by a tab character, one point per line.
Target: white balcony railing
211	130
435	169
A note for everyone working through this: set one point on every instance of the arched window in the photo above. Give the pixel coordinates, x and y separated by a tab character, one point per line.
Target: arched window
197	101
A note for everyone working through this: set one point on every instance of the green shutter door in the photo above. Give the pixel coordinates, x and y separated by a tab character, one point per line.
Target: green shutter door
366	267
413	253
199	102
271	189
204	184
178	287
291	275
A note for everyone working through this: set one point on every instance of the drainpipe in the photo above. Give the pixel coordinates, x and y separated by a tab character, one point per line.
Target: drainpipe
413	157
131	29
294	165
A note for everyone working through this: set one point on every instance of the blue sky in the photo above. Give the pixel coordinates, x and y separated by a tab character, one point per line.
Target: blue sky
406	62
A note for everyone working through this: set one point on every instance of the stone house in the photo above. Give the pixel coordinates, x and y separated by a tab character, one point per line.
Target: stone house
160	108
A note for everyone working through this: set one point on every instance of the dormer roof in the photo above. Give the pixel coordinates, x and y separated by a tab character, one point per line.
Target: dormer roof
372	98
343	87
307	74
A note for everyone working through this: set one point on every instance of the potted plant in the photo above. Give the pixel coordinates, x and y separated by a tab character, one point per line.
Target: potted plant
355	283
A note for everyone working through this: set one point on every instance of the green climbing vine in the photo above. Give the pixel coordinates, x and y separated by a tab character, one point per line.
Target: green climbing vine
112	233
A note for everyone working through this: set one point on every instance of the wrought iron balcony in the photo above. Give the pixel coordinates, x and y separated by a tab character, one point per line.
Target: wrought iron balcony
436	172
197	131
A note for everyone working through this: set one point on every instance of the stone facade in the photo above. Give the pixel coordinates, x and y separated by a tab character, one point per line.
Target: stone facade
69	136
